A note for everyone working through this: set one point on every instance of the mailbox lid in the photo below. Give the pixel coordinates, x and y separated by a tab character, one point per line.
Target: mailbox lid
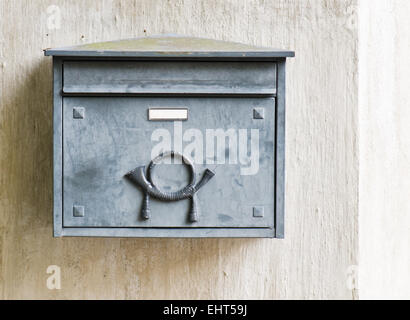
176	77
170	47
106	137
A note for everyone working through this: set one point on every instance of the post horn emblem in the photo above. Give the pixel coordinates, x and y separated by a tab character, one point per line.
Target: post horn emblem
143	178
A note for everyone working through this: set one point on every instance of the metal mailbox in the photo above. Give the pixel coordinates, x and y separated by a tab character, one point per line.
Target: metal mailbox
169	137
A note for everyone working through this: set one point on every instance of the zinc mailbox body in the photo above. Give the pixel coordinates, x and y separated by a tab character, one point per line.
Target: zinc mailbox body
169	137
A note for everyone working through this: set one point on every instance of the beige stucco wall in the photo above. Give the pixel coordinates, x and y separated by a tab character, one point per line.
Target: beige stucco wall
322	159
384	111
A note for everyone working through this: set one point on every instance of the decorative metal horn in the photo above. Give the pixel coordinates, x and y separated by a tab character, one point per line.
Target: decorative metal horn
144	181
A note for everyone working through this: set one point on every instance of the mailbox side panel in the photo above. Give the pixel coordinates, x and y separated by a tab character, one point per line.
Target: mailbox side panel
57	146
280	151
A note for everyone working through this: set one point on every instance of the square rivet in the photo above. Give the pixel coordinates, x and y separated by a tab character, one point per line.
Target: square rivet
78	211
258	212
78	113
259	113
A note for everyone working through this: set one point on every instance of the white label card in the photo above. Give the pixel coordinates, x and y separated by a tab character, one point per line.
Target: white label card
170	114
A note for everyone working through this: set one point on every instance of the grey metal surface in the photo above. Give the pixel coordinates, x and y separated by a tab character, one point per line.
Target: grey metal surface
169	47
170	232
169	77
115	137
280	152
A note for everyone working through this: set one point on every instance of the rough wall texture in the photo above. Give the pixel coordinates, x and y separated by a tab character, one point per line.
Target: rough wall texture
384	149
322	162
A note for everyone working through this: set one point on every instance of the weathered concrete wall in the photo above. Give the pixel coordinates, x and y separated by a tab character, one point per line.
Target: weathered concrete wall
384	106
322	160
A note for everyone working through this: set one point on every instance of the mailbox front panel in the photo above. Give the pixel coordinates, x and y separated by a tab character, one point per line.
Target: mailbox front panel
106	137
213	111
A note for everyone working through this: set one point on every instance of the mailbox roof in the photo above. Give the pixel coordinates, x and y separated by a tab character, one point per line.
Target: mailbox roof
169	46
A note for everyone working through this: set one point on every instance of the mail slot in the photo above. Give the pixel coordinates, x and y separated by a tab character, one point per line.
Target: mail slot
169	137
